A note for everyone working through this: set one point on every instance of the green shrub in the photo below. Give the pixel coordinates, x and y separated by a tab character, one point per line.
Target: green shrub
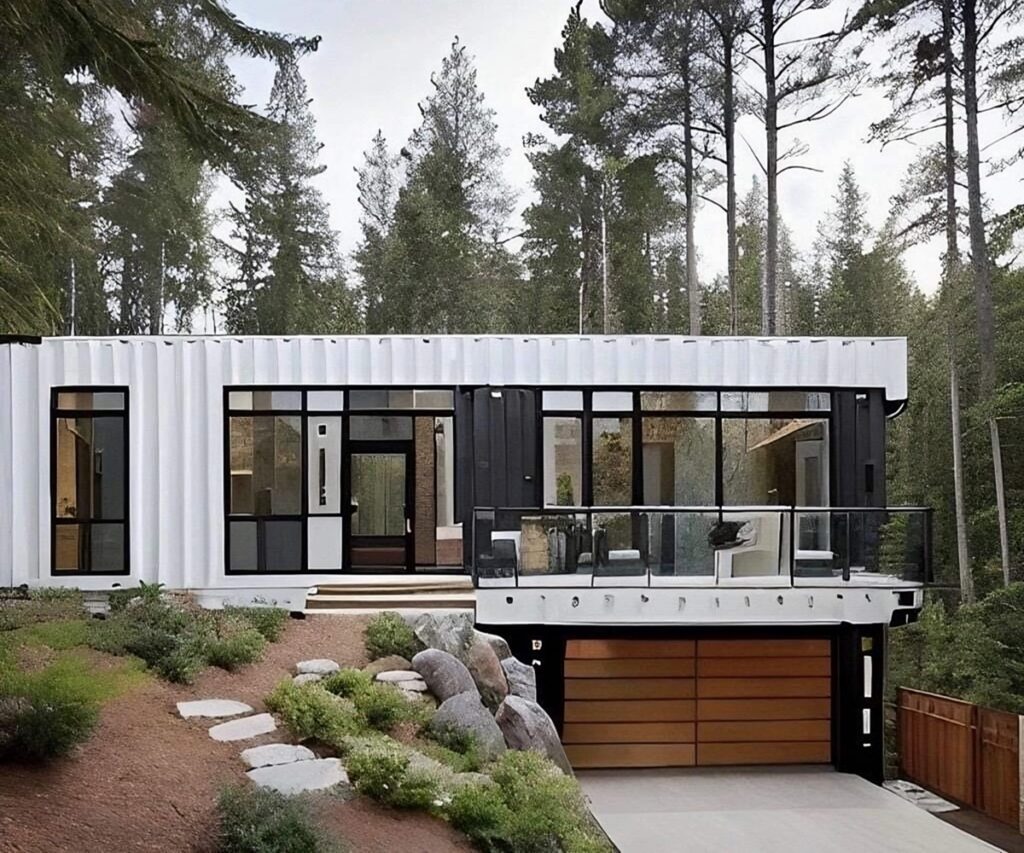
418	789
179	641
390	634
235	643
269	621
546	807
456	748
376	768
532	807
309	711
347	682
382	707
259	820
480	812
46	714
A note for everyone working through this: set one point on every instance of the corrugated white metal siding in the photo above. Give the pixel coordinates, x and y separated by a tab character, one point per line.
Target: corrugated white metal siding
176	427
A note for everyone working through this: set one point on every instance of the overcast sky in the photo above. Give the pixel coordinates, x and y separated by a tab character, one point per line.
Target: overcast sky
374	65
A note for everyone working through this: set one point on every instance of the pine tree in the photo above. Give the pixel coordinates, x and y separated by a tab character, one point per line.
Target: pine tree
445	267
378	193
289	275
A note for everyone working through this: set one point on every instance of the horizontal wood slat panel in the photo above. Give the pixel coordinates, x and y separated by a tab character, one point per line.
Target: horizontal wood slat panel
630	667
747	667
637	710
764	730
629	688
629	733
764	709
629	649
763	648
631	755
736	688
764	753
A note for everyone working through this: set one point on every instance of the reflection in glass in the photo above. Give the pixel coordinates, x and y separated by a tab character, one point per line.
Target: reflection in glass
775	401
90	468
91	400
89	548
564	401
563	462
374	428
766	462
378	492
612	461
266	465
678	401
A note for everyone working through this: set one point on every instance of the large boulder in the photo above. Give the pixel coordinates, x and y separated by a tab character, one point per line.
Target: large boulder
485	667
522	678
465	712
445	674
526	725
450	632
499	644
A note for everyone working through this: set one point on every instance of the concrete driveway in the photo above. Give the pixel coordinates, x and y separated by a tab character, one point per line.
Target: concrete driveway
762	809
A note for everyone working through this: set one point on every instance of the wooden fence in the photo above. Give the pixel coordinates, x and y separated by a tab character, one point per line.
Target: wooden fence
962	751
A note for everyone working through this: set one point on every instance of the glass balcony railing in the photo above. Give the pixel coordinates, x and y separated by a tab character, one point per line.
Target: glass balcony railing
700	546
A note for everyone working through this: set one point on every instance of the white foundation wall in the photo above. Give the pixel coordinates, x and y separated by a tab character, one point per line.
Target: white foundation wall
176	426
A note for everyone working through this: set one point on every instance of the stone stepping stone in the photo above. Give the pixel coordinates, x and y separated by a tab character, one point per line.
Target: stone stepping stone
213	708
307	678
399	675
319	666
273	754
300	776
244	728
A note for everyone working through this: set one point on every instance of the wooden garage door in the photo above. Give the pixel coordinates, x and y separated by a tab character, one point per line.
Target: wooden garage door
676	703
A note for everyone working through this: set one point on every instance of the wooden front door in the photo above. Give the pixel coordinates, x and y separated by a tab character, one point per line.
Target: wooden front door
680	703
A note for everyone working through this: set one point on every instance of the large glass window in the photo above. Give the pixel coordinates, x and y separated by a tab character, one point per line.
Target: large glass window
770	461
612	461
266	465
311	469
563	462
90	478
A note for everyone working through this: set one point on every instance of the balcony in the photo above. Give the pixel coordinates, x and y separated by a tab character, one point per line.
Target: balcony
760	547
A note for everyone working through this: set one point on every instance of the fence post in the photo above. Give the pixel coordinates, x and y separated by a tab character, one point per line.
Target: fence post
1020	773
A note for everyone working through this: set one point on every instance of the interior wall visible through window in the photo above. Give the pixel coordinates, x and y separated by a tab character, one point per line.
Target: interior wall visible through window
90	481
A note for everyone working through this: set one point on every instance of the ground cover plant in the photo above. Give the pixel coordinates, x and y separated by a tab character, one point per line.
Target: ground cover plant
51	687
178	640
260	820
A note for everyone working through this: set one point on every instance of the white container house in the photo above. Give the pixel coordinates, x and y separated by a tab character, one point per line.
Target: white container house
688	537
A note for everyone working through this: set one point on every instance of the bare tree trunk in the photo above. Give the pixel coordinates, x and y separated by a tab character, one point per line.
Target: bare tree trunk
692	286
604	256
982	270
952	265
963	559
771	111
729	126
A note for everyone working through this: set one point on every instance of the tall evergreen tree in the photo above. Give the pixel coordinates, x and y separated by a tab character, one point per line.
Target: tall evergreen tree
378	187
289	274
445	265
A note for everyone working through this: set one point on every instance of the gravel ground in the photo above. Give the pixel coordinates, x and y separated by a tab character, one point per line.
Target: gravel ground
148	780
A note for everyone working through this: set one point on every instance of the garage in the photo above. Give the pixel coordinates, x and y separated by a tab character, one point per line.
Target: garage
687	702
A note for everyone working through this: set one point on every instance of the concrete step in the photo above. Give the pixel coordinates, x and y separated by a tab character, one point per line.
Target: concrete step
373	601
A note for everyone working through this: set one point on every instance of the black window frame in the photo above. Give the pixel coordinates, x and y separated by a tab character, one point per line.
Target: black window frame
344	413
717	414
56	413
